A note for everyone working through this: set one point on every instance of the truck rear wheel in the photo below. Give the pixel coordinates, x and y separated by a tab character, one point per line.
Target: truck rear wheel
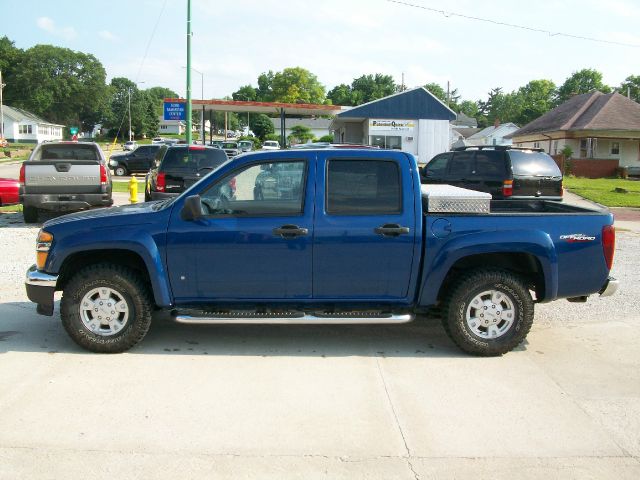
488	313
106	308
30	214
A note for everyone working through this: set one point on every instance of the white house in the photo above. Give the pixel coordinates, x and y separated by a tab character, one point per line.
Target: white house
25	127
414	121
494	135
170	126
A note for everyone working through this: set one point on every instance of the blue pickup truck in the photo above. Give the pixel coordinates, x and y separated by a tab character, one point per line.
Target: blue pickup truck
343	236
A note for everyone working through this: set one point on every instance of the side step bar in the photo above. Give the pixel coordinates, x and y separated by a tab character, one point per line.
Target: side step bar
303	318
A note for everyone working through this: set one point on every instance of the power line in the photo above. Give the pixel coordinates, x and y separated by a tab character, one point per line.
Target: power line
513	25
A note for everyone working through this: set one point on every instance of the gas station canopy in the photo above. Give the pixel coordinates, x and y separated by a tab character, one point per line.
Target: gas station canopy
299	109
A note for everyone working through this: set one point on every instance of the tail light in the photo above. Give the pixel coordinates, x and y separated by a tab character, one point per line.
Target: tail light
103	174
22	174
161	182
608	244
507	188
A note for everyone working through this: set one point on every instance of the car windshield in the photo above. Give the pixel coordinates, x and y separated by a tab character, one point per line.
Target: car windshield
229	145
67	151
537	164
270	144
192	159
245	143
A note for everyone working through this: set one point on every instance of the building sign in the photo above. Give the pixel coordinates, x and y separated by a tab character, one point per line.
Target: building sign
393	125
174	111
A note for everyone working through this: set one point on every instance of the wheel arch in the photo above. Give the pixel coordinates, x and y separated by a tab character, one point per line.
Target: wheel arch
116	256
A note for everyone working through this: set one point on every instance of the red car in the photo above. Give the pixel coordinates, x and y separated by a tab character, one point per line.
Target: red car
8	191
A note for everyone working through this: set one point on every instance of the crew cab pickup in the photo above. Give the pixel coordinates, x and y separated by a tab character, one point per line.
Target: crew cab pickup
64	176
345	236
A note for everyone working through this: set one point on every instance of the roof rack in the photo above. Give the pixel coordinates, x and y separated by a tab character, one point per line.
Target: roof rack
497	147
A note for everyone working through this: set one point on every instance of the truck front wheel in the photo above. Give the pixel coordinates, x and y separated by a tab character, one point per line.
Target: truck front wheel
106	308
489	312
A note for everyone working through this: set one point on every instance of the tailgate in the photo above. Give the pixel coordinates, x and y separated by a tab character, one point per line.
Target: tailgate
537	186
61	176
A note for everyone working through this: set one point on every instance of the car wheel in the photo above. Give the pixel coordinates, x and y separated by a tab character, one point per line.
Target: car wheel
120	171
30	214
106	308
489	312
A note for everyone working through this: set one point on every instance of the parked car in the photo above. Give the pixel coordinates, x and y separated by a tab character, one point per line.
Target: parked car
64	176
130	145
216	143
270	145
157	141
171	141
176	168
504	172
245	145
278	180
359	243
231	149
138	161
9	191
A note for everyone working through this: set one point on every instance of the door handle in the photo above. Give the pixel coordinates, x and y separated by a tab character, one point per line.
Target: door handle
391	230
290	231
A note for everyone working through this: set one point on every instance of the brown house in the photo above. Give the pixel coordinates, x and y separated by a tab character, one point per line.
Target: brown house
602	130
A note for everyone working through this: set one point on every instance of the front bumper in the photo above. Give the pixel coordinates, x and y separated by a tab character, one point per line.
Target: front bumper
40	289
609	288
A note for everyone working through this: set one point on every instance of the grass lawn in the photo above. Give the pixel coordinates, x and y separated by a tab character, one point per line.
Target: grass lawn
602	190
124	186
11	208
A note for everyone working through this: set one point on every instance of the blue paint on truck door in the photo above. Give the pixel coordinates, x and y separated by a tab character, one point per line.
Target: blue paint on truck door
255	241
365	227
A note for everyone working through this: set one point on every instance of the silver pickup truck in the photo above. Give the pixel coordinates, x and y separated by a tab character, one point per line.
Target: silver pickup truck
64	176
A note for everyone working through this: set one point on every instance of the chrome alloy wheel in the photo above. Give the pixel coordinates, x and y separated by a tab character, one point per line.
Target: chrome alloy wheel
104	311
490	314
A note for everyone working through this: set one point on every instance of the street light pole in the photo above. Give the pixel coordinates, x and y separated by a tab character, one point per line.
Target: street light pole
188	109
1	108
202	98
129	113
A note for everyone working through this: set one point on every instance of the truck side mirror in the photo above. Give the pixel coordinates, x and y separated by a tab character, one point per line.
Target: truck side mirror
192	208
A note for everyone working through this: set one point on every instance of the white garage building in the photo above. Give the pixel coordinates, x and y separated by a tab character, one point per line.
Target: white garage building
414	121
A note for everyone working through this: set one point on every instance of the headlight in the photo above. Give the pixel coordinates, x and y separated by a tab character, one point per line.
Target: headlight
43	245
113	163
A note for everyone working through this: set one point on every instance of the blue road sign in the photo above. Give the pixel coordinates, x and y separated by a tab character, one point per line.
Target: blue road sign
174	111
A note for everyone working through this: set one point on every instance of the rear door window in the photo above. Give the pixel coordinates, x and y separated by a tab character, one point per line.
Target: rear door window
461	165
490	164
363	187
536	164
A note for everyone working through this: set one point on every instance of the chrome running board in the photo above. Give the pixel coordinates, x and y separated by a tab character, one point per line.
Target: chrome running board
337	318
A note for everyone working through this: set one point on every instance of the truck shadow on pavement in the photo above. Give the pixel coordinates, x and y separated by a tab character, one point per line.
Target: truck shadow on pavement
23	330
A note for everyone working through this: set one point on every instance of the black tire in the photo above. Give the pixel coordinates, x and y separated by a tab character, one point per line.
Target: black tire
147	197
469	287
131	288
30	214
120	171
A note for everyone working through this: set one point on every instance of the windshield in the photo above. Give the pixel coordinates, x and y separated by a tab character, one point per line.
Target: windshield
229	145
192	160
537	164
270	144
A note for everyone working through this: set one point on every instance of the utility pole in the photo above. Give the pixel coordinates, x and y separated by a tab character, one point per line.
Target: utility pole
129	113
1	108
188	109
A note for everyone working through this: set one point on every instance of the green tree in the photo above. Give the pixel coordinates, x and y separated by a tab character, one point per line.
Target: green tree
59	84
10	58
246	93
264	92
117	118
157	96
300	134
535	99
441	94
631	84
297	85
469	108
584	81
261	125
341	95
372	87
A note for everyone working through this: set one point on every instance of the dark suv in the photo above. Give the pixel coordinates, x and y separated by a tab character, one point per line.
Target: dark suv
504	172
137	161
178	167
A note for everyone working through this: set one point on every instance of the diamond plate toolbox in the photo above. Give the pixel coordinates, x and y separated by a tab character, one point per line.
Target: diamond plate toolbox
450	199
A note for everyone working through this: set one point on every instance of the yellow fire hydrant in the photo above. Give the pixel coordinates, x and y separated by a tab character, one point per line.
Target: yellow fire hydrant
133	190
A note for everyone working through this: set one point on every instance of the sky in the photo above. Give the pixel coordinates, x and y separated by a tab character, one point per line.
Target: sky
337	40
